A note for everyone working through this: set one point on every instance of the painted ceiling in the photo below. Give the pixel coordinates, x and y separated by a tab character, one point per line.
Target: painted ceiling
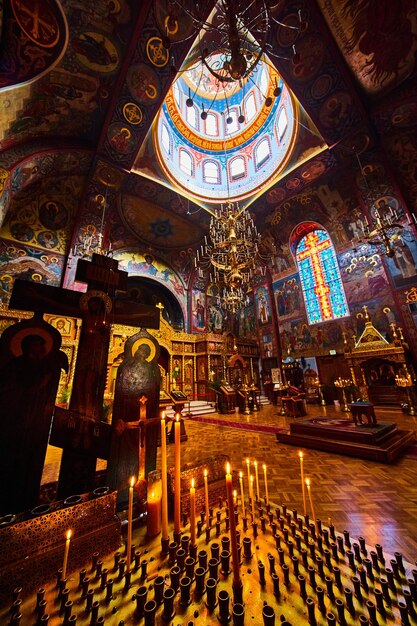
82	85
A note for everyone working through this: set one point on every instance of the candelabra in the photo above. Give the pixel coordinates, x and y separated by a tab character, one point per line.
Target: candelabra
384	231
231	255
406	382
343	383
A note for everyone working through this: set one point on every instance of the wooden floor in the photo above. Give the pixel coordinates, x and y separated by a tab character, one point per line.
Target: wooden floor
374	500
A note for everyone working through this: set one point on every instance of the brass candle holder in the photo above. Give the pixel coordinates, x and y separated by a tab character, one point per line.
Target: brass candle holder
406	382
343	383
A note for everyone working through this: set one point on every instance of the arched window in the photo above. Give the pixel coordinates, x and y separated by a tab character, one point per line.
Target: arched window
212	126
166	141
237	168
324	296
282	123
191	116
250	107
186	162
234	126
262	152
211	172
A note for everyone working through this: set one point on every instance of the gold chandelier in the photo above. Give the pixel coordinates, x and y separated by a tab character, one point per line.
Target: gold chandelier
231	255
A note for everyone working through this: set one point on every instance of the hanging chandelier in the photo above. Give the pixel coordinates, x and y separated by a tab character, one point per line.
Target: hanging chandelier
231	255
233	38
382	229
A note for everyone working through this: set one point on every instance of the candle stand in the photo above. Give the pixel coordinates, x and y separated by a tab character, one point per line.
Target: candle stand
406	382
343	384
322	401
301	572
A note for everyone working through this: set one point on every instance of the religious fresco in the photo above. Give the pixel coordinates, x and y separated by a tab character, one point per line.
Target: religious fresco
70	99
216	322
267	346
403	264
27	263
402	150
378	40
198	311
288	297
363	274
263	306
44	217
139	264
155	225
27	35
245	322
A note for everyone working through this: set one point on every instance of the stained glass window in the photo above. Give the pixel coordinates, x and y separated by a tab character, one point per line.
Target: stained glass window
323	292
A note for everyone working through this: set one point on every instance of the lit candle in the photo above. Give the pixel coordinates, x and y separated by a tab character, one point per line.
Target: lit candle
234	497
192	513
67	547
248	469
206	497
257	480
266	485
177	485
129	524
252	497
164	478
300	454
313	514
232	528
153	521
242	495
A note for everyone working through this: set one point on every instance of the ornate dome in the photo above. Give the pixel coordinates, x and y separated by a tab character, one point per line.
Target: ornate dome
220	140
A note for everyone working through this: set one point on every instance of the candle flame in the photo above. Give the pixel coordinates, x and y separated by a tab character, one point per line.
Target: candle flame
264	467
234	493
69	533
308	482
152	495
132	481
300	454
247	461
240	474
163	415
255	463
177	417
251	478
227	468
205	473
192	483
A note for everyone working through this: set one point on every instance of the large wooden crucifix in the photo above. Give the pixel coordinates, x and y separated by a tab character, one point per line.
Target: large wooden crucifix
98	310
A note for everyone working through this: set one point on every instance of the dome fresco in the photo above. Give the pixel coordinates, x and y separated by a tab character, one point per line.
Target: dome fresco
221	140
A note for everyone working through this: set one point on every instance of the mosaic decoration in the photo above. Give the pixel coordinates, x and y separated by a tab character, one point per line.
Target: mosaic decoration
322	287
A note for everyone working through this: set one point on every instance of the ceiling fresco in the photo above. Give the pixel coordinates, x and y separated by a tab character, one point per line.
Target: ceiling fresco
377	39
78	109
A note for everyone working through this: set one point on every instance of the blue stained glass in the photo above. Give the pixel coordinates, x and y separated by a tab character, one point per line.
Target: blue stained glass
330	303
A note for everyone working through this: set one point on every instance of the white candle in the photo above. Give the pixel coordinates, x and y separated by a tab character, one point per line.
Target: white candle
242	494
129	524
67	547
266	485
177	486
206	497
192	513
165	535
232	528
313	514
257	480
252	497
300	454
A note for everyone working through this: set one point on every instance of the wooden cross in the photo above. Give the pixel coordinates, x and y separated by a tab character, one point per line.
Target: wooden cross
98	309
